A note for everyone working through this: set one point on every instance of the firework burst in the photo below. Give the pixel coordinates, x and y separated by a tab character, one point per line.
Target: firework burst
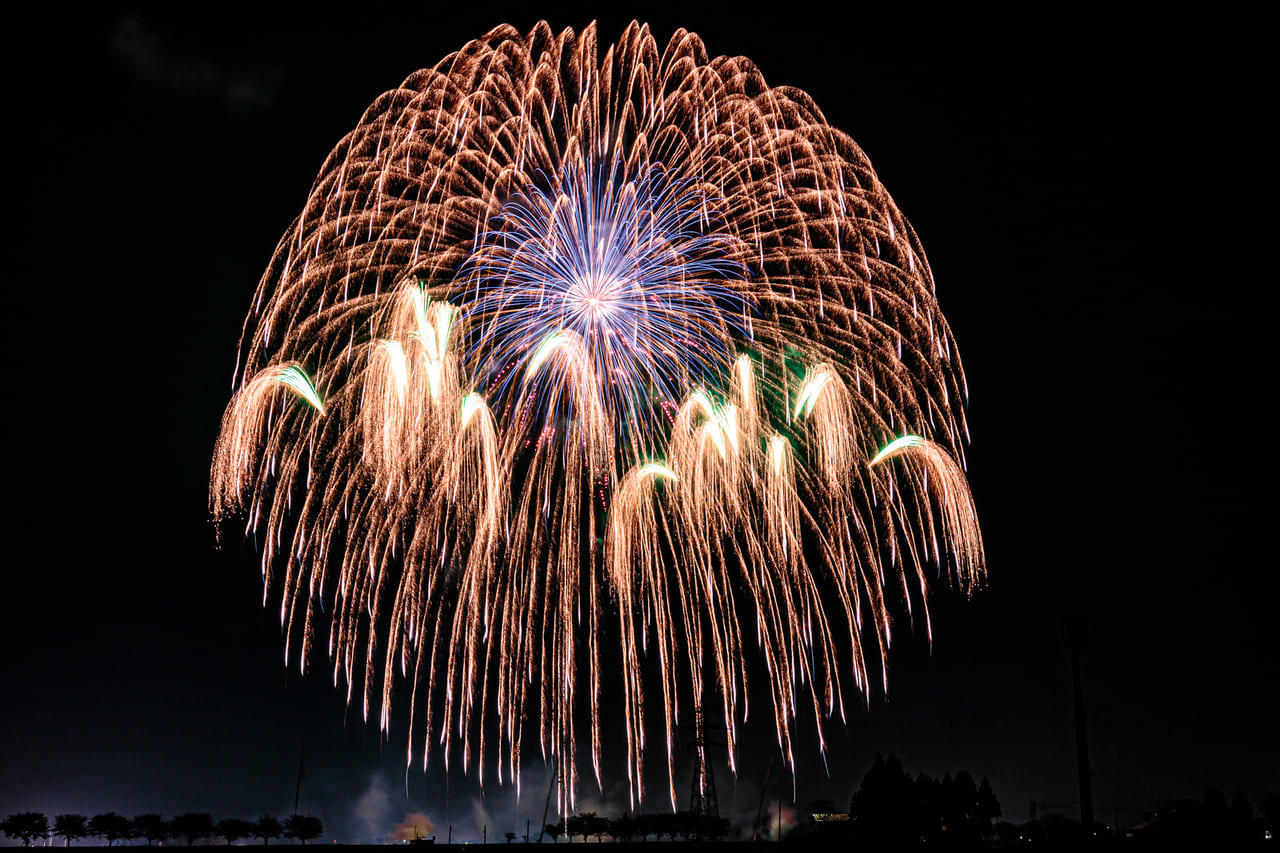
570	346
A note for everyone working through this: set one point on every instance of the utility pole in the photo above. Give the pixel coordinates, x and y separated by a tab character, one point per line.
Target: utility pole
297	791
547	807
1076	640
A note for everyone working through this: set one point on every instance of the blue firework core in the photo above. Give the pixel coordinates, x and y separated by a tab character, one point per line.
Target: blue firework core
639	269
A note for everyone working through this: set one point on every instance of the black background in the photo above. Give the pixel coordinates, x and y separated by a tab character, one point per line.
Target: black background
1092	194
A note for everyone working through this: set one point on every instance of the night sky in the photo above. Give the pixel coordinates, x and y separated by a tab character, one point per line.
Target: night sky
1083	187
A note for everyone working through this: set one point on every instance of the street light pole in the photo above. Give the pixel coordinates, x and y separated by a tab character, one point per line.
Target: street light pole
1075	630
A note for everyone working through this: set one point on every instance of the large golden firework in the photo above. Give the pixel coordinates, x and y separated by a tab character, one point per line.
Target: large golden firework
565	335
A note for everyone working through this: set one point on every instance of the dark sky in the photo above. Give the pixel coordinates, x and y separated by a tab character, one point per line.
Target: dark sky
1083	189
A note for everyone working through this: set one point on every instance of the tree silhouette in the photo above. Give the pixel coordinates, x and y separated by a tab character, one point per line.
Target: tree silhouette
596	825
587	824
1213	808
71	827
555	830
1207	823
988	808
191	826
1271	807
1240	819
883	808
233	829
891	809
267	827
624	828
929	806
26	825
303	827
152	827
111	826
960	807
